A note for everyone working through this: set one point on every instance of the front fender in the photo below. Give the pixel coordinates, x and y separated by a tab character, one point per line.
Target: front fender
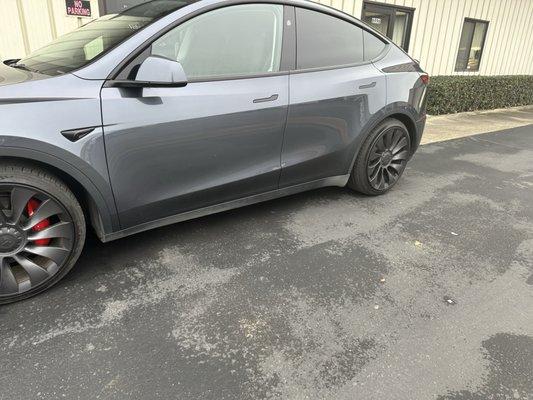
96	185
33	114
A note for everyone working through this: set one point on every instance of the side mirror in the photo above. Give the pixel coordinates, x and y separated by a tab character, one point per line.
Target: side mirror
161	71
157	72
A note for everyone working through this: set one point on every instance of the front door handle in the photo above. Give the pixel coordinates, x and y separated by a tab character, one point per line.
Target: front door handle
368	86
265	99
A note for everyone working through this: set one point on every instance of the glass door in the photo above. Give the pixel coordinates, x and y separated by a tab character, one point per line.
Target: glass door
378	18
391	21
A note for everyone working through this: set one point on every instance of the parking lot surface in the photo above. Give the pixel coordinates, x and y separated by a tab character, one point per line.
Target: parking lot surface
424	293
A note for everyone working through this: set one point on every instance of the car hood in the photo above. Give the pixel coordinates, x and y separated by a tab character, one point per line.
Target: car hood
11	76
20	86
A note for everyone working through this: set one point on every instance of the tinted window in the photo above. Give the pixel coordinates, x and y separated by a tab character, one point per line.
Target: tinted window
237	40
326	41
78	48
373	45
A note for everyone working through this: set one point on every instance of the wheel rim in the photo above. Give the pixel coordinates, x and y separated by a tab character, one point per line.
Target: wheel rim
36	238
388	157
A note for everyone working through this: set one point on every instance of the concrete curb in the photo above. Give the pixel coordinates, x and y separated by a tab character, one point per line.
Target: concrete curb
453	126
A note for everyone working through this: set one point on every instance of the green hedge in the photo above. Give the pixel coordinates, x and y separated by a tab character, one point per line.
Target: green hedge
452	94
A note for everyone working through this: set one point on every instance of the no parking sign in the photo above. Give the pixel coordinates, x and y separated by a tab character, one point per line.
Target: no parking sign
78	8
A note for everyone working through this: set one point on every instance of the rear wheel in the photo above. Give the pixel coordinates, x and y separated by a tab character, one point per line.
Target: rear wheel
382	158
42	231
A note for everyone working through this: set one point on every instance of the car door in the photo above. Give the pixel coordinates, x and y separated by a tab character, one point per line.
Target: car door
334	93
219	138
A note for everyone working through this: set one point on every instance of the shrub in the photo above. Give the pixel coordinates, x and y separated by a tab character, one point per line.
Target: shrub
452	94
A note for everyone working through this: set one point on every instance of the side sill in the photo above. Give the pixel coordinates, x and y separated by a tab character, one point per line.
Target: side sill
340	180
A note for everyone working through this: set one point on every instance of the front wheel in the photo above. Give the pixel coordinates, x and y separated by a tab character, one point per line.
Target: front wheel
382	158
42	231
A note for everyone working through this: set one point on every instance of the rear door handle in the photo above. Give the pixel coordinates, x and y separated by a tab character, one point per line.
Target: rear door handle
265	99
368	86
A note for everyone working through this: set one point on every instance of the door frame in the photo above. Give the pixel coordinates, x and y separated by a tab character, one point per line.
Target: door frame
102	7
390	10
288	47
287	62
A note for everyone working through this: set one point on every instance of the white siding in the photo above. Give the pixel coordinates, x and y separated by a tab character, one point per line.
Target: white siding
11	40
26	25
38	24
437	26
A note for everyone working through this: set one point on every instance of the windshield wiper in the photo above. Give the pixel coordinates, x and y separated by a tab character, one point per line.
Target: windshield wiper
24	67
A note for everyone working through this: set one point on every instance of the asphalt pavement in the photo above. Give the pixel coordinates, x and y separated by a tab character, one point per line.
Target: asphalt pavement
424	293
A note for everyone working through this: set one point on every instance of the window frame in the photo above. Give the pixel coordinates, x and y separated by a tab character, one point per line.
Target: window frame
328	67
474	21
282	54
391	9
359	25
123	69
289	49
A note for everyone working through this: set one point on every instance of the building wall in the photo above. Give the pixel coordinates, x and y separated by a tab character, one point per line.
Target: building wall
26	25
437	26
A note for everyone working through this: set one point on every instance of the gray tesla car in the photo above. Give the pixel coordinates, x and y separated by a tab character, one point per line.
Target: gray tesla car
177	109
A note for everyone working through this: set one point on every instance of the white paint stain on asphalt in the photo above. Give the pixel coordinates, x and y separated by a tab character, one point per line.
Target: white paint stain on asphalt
182	278
325	298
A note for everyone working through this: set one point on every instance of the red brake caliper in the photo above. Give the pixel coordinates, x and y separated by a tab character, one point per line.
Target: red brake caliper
33	205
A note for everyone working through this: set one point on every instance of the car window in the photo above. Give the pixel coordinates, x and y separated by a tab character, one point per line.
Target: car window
326	41
373	46
77	48
236	40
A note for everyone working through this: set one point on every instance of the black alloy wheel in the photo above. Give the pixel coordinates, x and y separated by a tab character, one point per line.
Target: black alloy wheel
388	157
381	159
40	235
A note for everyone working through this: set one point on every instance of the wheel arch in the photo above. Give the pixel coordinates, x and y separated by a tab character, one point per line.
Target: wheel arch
404	113
410	125
93	203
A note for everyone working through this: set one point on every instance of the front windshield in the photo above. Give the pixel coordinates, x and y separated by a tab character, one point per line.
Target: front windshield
76	49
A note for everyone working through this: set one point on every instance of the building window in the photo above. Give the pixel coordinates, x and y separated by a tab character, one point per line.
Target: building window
392	21
471	45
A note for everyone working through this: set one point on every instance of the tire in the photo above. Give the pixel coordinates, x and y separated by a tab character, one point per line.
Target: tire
387	149
42	230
